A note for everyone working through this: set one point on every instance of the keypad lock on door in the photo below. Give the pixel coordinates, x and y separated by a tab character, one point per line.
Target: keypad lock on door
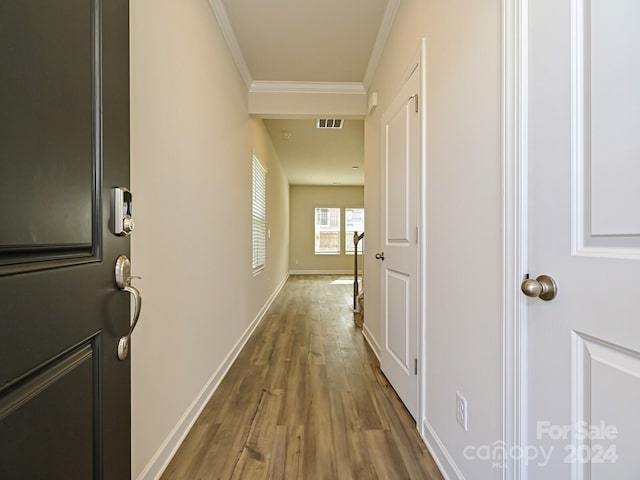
122	211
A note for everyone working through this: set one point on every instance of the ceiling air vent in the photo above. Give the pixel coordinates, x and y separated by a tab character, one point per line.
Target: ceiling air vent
330	122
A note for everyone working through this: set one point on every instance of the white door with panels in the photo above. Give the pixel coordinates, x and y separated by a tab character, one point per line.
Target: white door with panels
400	254
582	349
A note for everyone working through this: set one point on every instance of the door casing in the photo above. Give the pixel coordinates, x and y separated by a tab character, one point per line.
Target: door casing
515	231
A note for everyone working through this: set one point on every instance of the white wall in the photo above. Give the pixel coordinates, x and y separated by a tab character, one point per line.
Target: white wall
191	150
464	241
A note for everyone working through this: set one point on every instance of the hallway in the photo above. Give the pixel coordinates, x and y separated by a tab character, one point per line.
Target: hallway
305	399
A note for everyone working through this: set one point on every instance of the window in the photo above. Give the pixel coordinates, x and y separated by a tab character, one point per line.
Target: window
353	222
259	215
327	231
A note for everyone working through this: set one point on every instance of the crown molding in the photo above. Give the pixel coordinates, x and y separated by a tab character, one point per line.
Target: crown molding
229	35
346	88
381	41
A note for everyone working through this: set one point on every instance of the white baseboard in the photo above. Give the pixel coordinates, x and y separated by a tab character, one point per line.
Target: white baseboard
375	346
321	272
445	462
169	447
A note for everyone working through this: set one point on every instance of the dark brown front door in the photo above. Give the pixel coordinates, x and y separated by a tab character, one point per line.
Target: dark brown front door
64	143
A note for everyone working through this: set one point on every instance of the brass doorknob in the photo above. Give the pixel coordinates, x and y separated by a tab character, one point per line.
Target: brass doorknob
544	287
380	256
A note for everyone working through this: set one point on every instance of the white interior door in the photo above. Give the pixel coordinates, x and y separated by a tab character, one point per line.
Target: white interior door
583	347
400	198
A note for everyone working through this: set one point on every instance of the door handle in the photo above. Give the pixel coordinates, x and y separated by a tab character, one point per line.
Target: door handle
380	256
544	287
123	281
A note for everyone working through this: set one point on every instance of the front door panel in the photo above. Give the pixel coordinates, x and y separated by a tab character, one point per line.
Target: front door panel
64	142
40	415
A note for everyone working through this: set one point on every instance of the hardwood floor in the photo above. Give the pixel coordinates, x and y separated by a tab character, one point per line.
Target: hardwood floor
305	400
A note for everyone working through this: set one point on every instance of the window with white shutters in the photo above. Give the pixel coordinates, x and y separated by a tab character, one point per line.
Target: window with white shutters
259	215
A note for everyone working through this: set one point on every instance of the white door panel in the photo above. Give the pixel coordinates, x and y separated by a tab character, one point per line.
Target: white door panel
399	272
397	171
606	125
583	348
398	333
613	97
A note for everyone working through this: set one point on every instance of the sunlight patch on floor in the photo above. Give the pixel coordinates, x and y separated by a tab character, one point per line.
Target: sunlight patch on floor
345	281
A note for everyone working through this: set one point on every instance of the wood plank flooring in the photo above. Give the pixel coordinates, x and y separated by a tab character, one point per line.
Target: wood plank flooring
305	400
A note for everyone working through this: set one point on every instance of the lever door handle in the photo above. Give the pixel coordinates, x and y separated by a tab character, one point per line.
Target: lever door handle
123	281
380	256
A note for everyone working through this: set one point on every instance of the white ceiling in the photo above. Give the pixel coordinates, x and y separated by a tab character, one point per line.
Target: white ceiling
319	157
309	41
306	40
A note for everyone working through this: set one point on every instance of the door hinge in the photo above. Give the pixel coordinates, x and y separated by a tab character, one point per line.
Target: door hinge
415	366
417	101
417	234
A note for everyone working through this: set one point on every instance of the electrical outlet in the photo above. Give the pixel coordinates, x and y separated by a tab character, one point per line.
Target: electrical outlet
297	262
461	410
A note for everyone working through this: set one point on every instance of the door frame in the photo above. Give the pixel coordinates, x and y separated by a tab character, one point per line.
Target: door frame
421	58
515	232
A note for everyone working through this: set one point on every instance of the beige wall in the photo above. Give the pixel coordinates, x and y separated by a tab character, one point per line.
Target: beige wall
308	105
304	200
464	230
191	149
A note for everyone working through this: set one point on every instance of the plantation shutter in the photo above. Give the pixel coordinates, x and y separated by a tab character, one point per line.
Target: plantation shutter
259	215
